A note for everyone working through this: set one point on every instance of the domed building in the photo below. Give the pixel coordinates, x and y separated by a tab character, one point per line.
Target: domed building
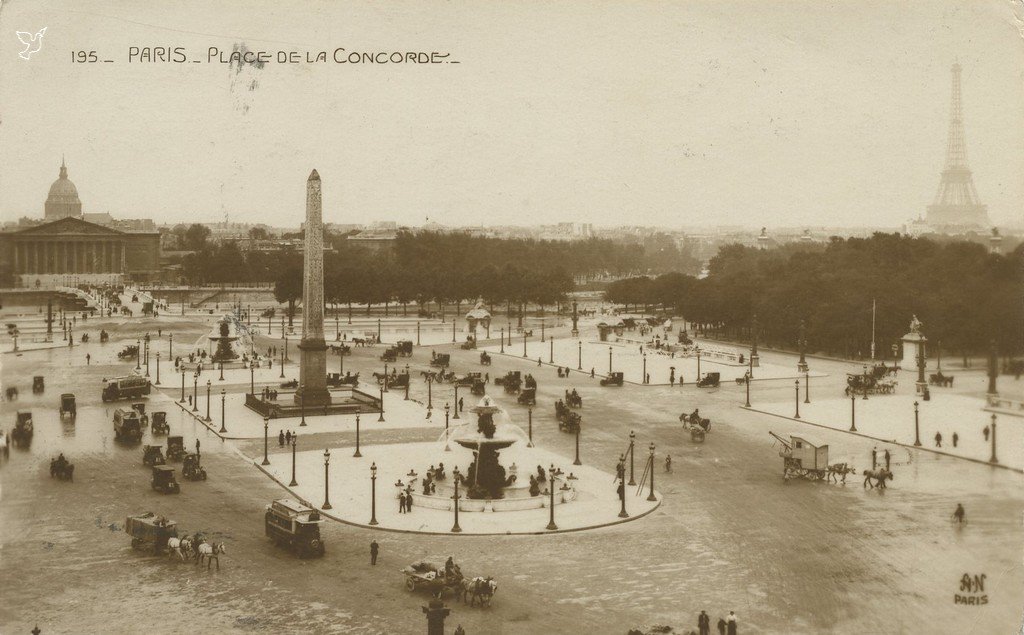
63	199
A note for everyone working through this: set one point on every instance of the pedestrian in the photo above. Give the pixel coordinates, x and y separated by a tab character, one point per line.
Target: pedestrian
985	432
647	378
460	404
459	630
159	332
190	400
288	437
704	623
591	372
730	623
956	438
958	515
197	447
280	438
887	458
487	378
401	502
408	500
874	457
668	463
374	550
721	626
938	439
88	359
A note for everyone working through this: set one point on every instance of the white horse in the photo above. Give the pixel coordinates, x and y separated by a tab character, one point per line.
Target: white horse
479	588
178	546
210	552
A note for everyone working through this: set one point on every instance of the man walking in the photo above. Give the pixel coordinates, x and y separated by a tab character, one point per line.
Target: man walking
280	438
985	432
401	502
887	458
374	550
958	515
88	359
704	623
956	438
938	439
460	404
721	626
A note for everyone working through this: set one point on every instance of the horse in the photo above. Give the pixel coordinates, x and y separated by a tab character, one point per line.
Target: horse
838	472
210	553
479	588
880	475
179	546
63	471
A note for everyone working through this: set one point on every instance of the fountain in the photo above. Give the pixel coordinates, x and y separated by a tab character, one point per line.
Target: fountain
225	351
486	477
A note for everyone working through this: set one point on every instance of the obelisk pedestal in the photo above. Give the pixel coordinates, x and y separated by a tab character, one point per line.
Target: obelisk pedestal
312	349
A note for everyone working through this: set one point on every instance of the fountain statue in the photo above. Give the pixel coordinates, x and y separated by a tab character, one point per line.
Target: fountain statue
486	477
225	351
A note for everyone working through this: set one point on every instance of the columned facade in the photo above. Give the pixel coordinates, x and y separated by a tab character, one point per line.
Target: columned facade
68	255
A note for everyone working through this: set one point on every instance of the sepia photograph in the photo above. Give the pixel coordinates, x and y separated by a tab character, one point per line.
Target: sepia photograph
694	317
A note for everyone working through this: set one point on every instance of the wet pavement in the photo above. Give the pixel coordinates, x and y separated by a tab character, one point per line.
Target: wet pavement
730	535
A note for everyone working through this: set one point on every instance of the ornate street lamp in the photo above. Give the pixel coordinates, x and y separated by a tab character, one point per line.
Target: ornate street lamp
917	427
195	392
182	400
252	377
609	360
408	377
138	354
208	386
651	497
577	461
632	446
503	339
529	415
221	371
579	355
797	386
807	387
455	497
801	365
282	363
542	330
622	496
158	368
293	483
170	346
357	454
643	376
327	480
524	342
697	348
551	488
384	384
853	410
747	382
302	404
993	459
447	408
266	426
381	417
430	383
373	493
222	401
456	402
551	352
417	332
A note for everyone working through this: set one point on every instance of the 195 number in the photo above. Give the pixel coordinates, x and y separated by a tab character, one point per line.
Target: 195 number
84	57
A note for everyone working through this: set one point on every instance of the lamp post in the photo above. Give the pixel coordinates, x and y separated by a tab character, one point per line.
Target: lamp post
158	368
252	377
455	497
551	351
622	496
286	348
147	354
853	411
643	376
993	459
801	365
524	342
170	346
577	460
542	330
551	487
807	387
381	417
373	493
327	480
408	377
447	409
378	329
417	332
282	363
384	384
529	419
698	362
223	399
138	354
221	371
632	445
357	454
454	320
797	386
195	392
208	386
266	427
747	382
430	384
302	404
609	360
293	482
502	339
456	402
917	427
579	355
651	496
182	400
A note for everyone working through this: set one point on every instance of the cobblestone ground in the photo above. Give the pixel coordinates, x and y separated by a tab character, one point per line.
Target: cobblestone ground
796	558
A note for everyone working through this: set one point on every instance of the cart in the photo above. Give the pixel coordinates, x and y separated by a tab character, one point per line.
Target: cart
22	433
423	575
803	457
528	397
150	532
67	405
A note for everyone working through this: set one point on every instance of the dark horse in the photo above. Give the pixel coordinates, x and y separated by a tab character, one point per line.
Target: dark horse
880	476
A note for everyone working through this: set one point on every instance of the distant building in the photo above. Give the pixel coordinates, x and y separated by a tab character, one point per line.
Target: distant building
374	240
62	201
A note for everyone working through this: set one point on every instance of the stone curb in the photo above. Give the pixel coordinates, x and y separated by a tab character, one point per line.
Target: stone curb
892	441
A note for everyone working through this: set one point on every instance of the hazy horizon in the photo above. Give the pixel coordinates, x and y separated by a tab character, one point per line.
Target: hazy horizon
700	114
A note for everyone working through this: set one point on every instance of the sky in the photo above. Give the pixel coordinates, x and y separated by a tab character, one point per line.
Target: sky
714	112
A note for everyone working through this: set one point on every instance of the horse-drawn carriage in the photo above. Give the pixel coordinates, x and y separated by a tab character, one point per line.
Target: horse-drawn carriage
441	361
153	455
868	384
191	469
175	448
291	383
511	382
404	348
104	337
710	380
469	344
573	399
423	575
23	430
468	379
341	349
528	397
401	380
128	352
38	384
67	405
160	425
390	354
337	379
295	526
697	426
163	480
62	469
806	458
150	532
613	379
127	425
568	420
485	359
529	382
938	379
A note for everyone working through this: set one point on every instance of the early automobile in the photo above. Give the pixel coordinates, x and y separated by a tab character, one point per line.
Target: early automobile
164	481
150	532
153	455
131	387
175	448
709	380
294	526
127	426
485	359
479	387
38	384
613	379
21	435
528	397
160	425
62	469
441	361
67	405
191	469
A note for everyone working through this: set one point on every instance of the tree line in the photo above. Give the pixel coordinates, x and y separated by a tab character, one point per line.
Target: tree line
964	295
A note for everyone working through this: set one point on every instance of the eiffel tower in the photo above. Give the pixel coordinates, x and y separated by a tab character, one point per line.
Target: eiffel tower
956	203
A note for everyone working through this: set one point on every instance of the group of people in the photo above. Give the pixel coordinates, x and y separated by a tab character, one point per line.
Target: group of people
563	372
284	437
726	625
269	394
430	480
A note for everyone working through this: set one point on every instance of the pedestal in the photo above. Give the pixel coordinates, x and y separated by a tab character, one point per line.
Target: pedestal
313	374
755	360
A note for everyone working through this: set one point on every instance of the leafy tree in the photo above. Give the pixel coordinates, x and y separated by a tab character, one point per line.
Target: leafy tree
288	288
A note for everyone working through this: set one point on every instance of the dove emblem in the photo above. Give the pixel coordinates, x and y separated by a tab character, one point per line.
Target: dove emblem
32	42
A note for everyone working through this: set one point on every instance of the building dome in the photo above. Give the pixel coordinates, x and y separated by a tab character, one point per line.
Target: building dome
62	201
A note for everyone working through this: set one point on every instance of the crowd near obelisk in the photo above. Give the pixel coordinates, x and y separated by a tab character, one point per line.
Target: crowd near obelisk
313	366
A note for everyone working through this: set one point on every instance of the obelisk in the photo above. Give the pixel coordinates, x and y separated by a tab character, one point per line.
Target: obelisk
312	349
